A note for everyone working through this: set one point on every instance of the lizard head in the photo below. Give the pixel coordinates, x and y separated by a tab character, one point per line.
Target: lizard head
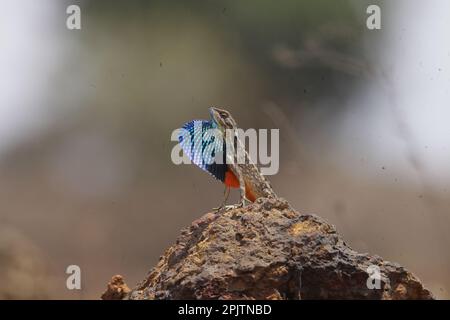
222	118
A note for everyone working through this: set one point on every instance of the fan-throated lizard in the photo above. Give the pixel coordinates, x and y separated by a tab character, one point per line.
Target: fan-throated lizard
200	137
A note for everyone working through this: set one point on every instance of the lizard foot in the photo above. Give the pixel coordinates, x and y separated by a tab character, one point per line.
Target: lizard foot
225	208
241	204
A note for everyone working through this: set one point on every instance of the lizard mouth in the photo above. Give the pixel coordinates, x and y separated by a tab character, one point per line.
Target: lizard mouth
212	112
222	117
217	115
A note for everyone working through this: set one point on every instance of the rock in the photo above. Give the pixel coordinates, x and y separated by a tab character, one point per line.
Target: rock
116	289
267	250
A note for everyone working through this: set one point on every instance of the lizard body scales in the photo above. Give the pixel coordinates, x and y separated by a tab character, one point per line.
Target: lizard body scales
196	141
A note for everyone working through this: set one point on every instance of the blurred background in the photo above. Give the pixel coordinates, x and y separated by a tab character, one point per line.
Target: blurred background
86	116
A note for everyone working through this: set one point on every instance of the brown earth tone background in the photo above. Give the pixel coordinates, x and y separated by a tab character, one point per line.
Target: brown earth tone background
86	116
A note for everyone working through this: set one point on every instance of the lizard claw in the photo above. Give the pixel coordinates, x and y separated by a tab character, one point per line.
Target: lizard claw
225	208
242	203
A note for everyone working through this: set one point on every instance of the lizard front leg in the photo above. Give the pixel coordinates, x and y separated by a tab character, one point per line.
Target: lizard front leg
226	194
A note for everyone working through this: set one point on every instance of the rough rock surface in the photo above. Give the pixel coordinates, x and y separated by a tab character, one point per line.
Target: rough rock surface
267	250
116	289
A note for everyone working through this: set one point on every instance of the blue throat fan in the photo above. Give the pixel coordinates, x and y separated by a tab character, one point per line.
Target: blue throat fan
203	143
